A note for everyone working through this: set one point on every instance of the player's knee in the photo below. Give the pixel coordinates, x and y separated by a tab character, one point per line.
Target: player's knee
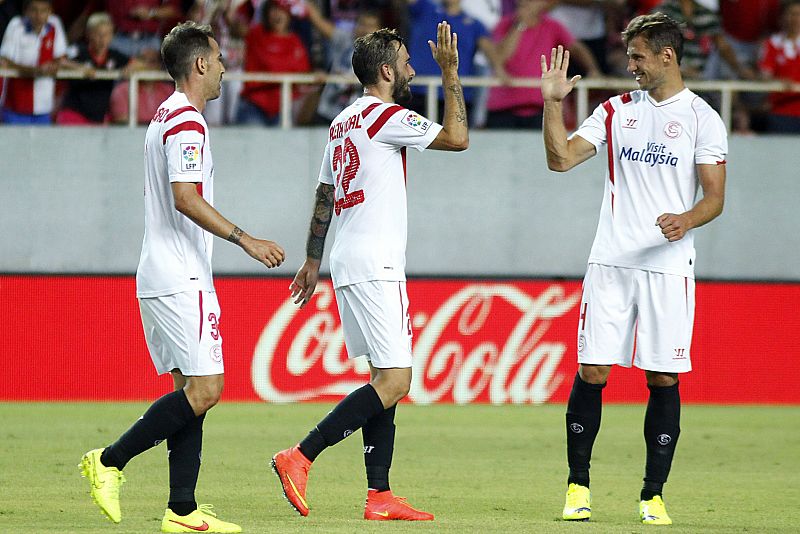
661	380
594	374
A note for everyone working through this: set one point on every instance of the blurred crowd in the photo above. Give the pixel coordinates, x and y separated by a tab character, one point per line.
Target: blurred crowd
724	40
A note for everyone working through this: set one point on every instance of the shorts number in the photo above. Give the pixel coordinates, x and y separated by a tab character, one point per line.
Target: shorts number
345	166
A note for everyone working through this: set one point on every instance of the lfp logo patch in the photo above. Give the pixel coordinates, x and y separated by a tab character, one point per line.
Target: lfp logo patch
191	160
416	122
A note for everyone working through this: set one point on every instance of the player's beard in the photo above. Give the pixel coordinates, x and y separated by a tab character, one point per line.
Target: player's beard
401	92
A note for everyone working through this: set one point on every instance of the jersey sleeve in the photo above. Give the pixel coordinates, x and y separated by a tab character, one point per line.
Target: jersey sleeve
325	170
398	126
8	48
711	146
184	140
593	129
60	41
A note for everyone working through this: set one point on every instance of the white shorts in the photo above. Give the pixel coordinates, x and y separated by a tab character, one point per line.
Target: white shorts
376	322
182	332
636	316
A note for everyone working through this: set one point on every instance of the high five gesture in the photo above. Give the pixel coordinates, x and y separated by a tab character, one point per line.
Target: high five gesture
554	78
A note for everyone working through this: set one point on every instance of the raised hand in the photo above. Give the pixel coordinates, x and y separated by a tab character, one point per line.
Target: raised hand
445	51
555	85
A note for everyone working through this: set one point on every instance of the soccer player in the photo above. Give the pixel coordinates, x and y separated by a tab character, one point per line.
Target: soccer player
363	181
638	293
178	304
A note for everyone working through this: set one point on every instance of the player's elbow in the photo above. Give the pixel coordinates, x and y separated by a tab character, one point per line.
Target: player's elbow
558	164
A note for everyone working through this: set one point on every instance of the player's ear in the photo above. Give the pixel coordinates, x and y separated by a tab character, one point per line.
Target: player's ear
201	64
668	54
387	72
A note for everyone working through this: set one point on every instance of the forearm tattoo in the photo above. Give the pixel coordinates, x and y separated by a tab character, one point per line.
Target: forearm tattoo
461	112
236	235
320	221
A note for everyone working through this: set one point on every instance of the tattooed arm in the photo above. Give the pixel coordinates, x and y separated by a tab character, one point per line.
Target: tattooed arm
305	281
454	135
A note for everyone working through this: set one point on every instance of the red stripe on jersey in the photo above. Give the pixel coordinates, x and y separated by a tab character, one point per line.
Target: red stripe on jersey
200	293
368	109
722	162
610	145
380	121
185	127
403	155
199	187
178	111
626	97
46	46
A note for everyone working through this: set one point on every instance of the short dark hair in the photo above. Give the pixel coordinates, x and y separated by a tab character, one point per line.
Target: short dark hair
372	51
659	30
183	45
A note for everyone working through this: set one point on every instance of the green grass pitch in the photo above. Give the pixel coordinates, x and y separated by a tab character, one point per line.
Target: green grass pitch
480	469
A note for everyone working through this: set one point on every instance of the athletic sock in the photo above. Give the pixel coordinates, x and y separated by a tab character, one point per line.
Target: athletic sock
378	434
662	427
583	423
165	416
185	449
346	417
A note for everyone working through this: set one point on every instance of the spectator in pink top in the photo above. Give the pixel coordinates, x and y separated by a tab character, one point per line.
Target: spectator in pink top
522	38
142	23
150	94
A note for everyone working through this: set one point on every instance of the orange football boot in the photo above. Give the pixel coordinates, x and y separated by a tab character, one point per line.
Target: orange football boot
292	467
383	506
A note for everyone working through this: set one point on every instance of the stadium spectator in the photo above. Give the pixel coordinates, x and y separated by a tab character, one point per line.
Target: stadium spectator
637	306
473	37
586	20
230	26
88	101
150	93
703	36
140	24
780	60
746	24
270	47
339	45
175	288
35	45
522	38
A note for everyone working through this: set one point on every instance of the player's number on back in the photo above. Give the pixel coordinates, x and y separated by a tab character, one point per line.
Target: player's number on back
345	167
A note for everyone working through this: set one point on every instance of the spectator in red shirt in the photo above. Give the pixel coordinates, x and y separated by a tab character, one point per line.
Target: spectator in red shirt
270	47
780	59
142	23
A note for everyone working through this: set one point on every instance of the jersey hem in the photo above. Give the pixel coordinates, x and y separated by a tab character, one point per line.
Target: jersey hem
651	268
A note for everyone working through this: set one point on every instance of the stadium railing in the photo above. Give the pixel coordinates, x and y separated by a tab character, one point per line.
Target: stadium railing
726	88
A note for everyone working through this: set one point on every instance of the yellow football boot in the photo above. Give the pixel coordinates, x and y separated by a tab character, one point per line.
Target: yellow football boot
653	512
201	520
579	503
104	483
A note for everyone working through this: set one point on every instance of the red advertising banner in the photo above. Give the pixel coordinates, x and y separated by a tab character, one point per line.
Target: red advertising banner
486	341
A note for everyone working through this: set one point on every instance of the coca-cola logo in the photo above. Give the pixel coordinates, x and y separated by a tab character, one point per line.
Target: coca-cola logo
483	342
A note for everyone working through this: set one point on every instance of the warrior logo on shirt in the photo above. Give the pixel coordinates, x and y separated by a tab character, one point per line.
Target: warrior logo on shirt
416	122
190	157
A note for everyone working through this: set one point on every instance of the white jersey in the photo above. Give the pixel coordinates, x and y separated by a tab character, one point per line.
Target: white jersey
32	96
176	252
365	159
653	149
